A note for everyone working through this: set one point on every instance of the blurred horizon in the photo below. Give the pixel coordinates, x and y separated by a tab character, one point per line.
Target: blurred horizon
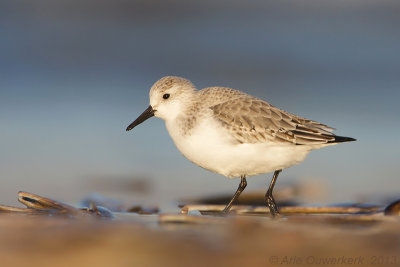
74	74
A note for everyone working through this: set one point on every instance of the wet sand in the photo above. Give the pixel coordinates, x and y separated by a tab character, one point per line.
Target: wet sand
363	237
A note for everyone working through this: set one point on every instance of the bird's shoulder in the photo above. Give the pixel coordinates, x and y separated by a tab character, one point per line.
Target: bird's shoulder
212	96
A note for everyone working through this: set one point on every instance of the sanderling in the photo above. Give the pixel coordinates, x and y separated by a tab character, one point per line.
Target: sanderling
232	133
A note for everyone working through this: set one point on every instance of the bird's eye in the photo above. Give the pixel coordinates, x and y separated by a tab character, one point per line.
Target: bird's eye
165	96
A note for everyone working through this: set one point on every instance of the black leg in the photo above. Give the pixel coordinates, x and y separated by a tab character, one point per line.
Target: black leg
242	186
270	199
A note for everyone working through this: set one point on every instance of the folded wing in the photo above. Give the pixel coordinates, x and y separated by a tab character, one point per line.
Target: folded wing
252	120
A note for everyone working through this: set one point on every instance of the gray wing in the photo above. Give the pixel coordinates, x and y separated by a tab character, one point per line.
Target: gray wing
252	120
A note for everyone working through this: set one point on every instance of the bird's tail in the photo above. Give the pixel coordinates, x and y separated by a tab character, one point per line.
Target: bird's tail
341	139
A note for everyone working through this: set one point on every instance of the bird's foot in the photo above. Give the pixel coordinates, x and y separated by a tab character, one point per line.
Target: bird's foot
273	210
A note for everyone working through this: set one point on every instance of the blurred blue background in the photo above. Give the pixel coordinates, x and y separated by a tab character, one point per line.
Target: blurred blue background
74	74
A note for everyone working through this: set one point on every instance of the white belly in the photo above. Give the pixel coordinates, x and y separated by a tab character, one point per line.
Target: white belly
210	147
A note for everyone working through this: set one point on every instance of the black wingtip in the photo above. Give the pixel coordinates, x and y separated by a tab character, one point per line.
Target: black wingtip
341	139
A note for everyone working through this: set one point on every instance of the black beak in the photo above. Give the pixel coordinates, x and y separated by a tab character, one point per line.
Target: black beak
148	113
